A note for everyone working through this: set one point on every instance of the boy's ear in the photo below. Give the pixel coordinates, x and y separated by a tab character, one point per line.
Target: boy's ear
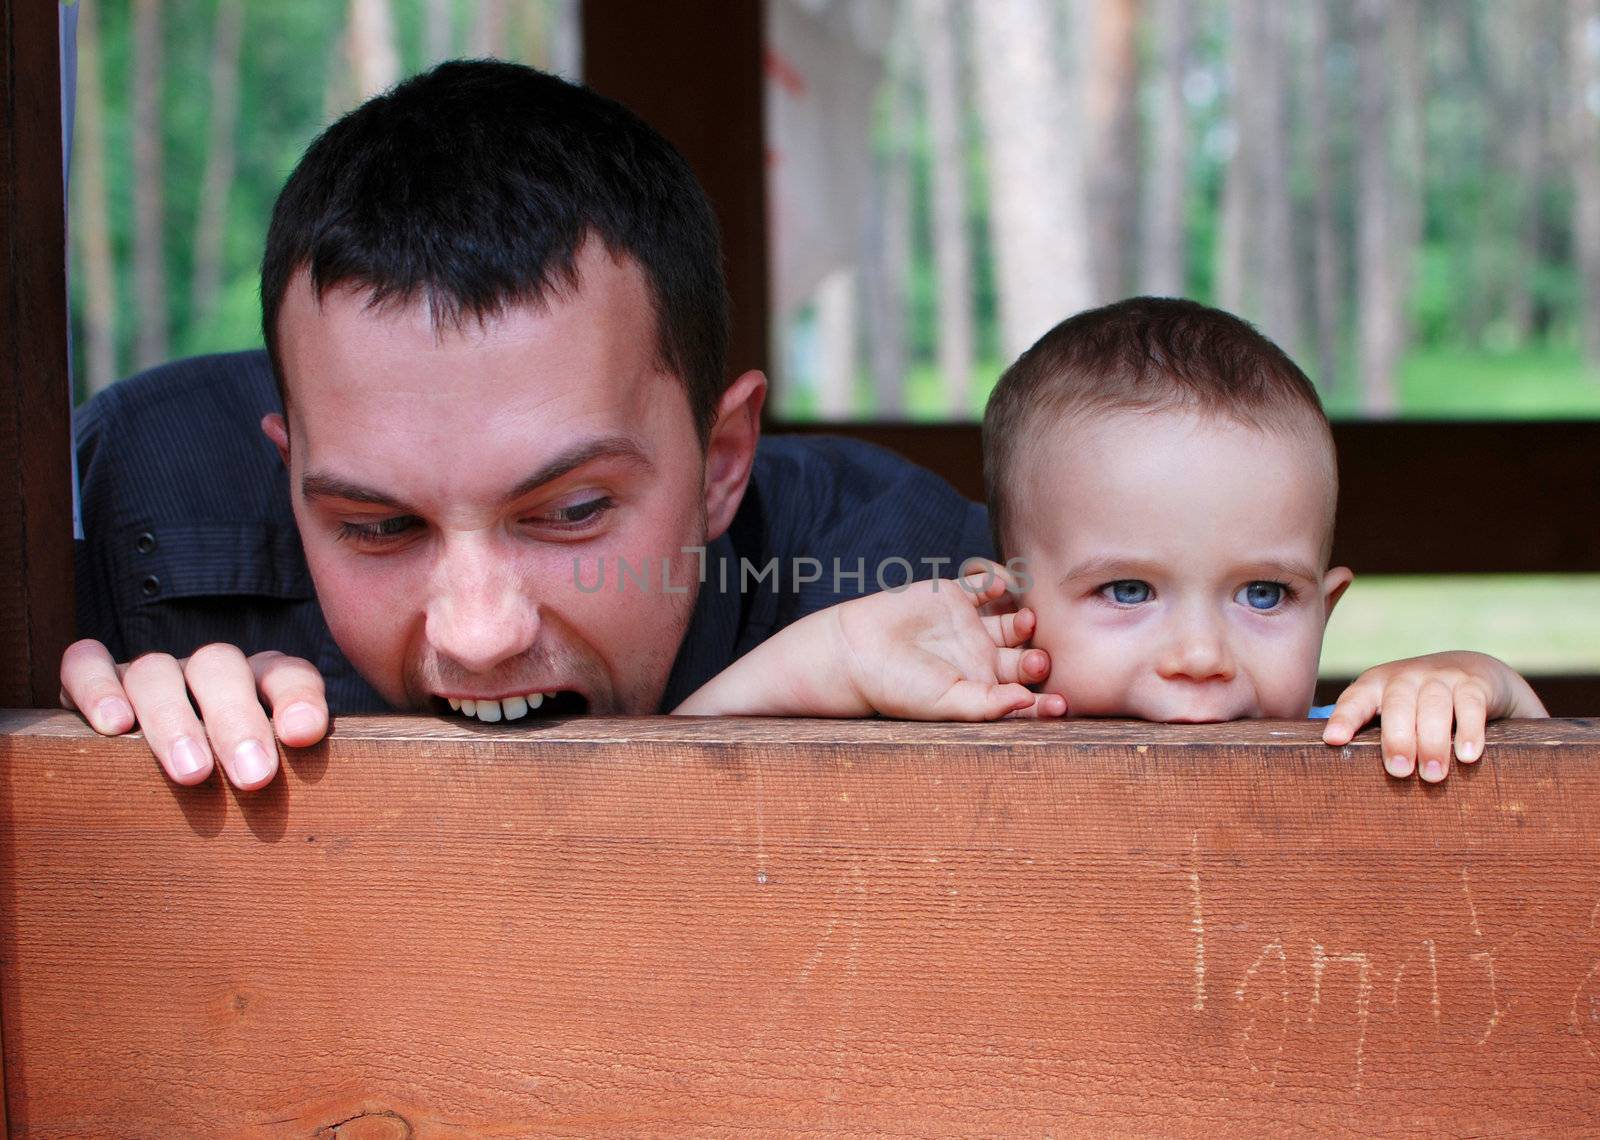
1334	583
731	450
274	427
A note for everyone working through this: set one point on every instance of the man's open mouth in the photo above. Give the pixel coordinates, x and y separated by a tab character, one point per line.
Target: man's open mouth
562	702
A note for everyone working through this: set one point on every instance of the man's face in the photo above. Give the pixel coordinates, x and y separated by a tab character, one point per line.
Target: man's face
454	489
1177	566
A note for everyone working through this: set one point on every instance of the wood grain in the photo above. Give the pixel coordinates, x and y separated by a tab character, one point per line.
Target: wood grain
36	607
727	928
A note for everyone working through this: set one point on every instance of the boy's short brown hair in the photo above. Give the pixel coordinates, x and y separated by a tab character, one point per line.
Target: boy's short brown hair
1144	353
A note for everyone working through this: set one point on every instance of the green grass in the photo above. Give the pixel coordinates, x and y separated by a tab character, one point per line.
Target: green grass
1541	382
1538	623
1525	383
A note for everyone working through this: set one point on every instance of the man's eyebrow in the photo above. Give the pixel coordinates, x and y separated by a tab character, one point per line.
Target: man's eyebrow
323	485
620	447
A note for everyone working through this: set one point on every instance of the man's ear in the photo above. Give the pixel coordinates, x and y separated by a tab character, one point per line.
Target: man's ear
731	450
1334	583
276	429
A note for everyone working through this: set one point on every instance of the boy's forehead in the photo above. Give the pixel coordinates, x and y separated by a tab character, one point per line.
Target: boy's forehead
1142	475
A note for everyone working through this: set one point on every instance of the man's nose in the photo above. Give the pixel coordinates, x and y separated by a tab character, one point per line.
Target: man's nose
1198	650
479	613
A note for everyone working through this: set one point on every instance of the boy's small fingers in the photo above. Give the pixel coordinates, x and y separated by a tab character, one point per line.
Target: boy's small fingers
1471	714
1357	705
1435	715
1398	735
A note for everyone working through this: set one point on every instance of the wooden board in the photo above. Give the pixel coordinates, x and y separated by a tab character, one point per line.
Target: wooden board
36	608
729	928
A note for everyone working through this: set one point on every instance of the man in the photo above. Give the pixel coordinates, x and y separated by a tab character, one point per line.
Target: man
500	467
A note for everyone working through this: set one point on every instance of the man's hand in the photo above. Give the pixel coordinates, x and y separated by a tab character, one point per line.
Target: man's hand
153	692
922	653
1420	698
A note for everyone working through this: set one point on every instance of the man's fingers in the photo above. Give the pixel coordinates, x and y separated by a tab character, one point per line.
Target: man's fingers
90	684
160	698
294	691
1472	710
1435	715
1398	736
1356	706
224	687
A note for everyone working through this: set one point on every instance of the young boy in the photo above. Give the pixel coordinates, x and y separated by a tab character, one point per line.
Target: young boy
1162	483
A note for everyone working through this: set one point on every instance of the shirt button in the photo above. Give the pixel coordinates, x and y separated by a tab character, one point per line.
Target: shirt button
151	586
145	543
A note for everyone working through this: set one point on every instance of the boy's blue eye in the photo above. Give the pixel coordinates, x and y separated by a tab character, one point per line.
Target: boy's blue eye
1128	592
1262	595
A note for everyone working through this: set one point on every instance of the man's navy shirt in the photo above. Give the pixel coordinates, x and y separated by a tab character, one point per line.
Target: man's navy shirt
189	537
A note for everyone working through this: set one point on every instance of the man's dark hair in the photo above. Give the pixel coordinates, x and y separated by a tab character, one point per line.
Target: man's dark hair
1143	353
475	184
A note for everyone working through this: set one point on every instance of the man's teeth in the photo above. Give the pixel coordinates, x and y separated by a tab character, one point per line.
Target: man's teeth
511	708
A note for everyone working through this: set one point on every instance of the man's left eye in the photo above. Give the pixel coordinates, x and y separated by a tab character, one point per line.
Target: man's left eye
580	513
1262	595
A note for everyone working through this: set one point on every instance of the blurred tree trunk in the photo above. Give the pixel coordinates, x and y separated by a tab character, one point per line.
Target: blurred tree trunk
1376	230
941	71
566	38
1037	209
1279	287
374	57
1584	125
91	219
438	29
1165	269
151	345
1241	189
1409	60
211	230
888	244
1519	84
836	342
1107	34
489	23
1327	249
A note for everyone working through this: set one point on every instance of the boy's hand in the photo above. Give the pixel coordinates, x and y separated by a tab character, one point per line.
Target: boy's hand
1420	698
922	653
153	693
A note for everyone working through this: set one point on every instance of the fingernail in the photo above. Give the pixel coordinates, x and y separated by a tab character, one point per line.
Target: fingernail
251	764
187	757
1398	766
1433	771
1467	752
111	714
299	719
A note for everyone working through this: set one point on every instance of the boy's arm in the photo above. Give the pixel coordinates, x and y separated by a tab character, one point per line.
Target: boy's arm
1421	697
922	653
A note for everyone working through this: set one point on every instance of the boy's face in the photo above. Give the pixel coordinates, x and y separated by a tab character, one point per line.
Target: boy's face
1177	565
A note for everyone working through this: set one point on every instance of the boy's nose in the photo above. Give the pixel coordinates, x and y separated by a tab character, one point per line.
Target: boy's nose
479	616
1198	651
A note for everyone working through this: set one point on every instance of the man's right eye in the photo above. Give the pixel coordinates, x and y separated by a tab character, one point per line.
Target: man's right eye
1127	592
376	532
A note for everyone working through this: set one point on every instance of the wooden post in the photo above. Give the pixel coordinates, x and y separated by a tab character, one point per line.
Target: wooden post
692	70
658	925
36	606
